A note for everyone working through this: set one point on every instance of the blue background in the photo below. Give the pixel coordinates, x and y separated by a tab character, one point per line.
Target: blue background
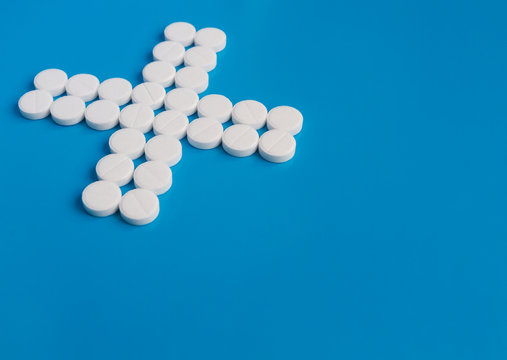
384	238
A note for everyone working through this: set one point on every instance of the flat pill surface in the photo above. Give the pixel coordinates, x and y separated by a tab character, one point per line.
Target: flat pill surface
129	142
35	104
67	110
170	51
201	56
102	115
171	122
116	89
249	112
192	77
181	32
285	118
163	148
211	37
205	133
51	80
215	106
182	99
85	86
161	72
117	168
139	207
277	146
101	198
137	116
149	93
240	140
153	175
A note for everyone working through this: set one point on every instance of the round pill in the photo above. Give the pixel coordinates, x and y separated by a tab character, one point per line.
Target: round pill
149	93
211	37
182	99
127	141
51	80
285	118
240	140
170	51
249	112
181	32
277	146
201	56
67	110
171	122
161	72
205	133
192	77
164	148
85	86
35	104
117	168
101	198
116	89
153	175
139	207
137	116
102	115
215	106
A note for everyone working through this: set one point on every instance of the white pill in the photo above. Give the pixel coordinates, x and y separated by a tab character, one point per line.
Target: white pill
153	175
161	72
117	168
139	207
149	93
170	51
115	89
129	142
240	140
85	86
250	112
51	80
201	56
163	148
101	198
181	32
277	146
285	118
137	116
205	133
211	37
102	114
215	106
68	110
182	99
171	122
192	77
35	104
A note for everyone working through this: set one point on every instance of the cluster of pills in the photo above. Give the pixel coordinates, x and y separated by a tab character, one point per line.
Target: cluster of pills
140	206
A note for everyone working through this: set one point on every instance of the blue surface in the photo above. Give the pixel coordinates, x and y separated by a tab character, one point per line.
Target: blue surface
384	238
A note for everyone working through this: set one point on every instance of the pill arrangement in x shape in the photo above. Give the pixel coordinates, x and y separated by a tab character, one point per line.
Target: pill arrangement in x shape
140	206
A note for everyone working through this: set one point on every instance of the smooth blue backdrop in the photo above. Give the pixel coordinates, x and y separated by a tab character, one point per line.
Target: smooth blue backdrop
384	238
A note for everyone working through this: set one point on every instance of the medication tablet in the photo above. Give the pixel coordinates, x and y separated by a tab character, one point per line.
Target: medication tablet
181	32
139	207
116	89
277	146
102	115
249	112
155	176
193	78
170	51
117	168
137	116
51	80
161	72
35	104
182	99
163	148
285	118
202	57
85	86
205	133
127	141
215	106
171	122
149	93
211	37
101	198
240	140
67	110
